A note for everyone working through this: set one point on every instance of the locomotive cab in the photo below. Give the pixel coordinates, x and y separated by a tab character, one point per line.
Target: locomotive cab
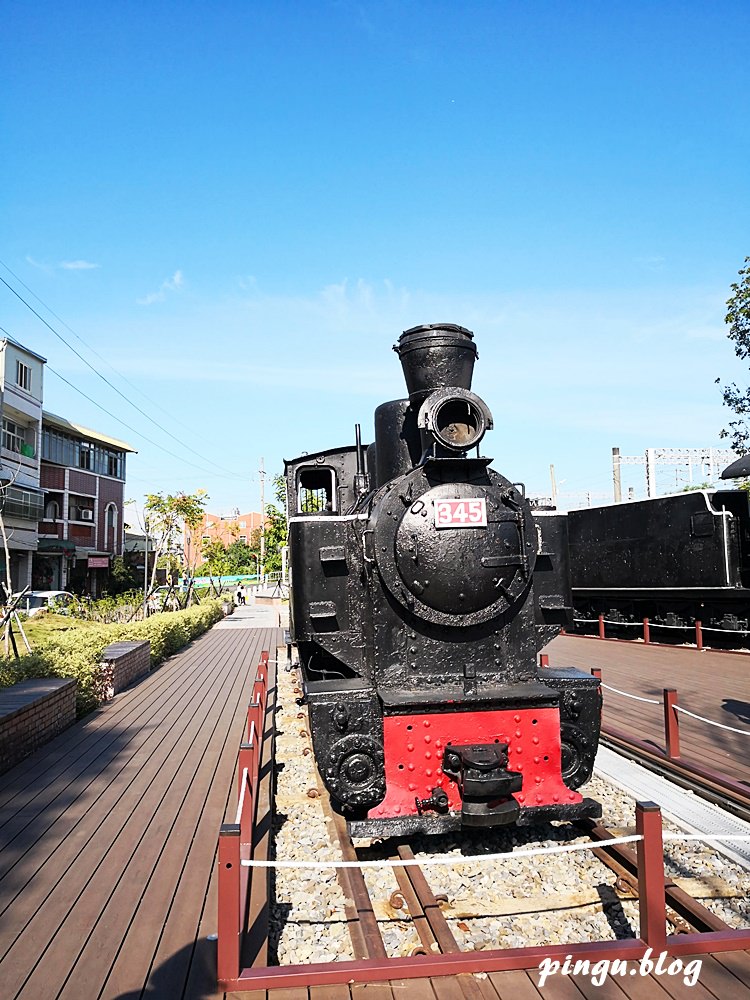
418	622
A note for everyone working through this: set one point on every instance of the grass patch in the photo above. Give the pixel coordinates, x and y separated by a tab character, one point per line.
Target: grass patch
69	647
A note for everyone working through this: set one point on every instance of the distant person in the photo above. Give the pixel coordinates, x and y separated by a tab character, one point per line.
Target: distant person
240	595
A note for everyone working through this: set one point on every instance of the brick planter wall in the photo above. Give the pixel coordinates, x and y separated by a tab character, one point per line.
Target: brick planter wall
124	662
32	713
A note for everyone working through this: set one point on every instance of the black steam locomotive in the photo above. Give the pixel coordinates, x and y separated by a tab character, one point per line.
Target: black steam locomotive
423	588
672	559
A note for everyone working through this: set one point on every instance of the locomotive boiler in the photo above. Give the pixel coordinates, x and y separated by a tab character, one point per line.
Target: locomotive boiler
423	588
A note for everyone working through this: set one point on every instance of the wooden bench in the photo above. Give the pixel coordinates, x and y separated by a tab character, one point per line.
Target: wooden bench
125	662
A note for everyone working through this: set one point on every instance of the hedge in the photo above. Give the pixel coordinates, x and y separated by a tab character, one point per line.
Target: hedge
77	653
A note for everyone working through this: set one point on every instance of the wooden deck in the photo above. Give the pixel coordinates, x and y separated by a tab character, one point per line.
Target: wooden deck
108	834
713	684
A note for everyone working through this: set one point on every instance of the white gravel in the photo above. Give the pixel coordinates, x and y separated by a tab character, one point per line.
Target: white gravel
308	916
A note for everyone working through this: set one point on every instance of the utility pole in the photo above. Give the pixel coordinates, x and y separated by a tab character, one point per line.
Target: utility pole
554	485
262	473
145	571
616	475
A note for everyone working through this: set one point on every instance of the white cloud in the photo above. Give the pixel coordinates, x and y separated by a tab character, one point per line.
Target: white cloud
63	265
173	284
36	263
78	265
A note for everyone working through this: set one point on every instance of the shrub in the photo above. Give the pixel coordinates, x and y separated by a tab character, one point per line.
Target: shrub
78	652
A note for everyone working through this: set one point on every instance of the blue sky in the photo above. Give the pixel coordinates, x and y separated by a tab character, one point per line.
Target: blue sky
239	206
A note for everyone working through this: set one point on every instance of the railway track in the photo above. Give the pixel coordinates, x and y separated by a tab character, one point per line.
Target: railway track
416	901
734	796
432	925
352	912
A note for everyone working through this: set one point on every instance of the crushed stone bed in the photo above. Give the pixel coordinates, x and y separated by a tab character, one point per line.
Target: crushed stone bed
308	920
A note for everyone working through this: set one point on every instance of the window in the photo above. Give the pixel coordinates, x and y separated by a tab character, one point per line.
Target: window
65	450
18	438
243	539
23	376
52	511
316	493
243	524
24	503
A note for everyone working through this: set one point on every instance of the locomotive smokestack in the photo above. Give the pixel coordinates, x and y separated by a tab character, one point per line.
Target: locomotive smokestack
436	356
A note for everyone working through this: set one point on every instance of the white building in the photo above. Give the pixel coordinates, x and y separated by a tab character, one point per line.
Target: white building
21	499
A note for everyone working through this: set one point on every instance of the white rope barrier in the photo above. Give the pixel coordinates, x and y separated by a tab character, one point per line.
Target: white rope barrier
679	708
720	725
446	859
635	697
653	624
505	856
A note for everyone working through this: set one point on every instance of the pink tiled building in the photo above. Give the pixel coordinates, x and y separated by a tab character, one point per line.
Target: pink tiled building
82	475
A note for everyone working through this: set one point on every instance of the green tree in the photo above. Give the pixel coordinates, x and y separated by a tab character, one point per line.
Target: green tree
276	527
241	558
123	577
166	518
217	560
738	321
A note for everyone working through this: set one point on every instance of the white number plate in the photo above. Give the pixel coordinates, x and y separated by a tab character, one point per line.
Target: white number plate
470	513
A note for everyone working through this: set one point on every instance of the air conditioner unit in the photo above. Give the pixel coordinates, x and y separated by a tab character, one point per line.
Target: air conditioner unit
87	515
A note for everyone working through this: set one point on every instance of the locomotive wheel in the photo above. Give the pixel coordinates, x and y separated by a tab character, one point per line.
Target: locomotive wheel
355	771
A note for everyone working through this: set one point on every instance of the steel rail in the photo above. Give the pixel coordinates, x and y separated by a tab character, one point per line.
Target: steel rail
642	871
622	859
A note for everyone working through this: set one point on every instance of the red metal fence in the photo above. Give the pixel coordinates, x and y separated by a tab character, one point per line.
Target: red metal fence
234	882
236	839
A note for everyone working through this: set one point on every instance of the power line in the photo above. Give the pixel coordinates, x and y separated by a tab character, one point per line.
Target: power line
83	341
136	432
133	430
111	386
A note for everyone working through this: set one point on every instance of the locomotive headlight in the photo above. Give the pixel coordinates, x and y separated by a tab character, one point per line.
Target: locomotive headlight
456	418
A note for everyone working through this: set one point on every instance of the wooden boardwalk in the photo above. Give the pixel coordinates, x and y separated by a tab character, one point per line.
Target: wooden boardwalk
108	834
713	684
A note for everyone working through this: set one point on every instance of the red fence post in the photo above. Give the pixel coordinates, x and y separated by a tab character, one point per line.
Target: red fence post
601	626
248	758
646	632
228	943
651	898
671	723
543	660
698	635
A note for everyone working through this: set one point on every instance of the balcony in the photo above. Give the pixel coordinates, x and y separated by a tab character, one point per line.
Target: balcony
27	505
